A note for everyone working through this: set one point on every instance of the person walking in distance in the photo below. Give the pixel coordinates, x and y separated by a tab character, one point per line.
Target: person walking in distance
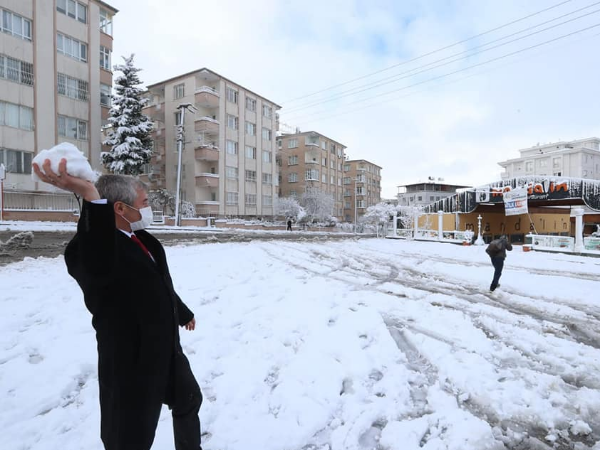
497	251
289	225
123	273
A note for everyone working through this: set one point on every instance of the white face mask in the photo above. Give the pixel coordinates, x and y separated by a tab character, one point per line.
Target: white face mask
145	221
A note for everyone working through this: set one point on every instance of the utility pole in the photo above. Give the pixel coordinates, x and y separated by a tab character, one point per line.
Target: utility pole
180	138
2	176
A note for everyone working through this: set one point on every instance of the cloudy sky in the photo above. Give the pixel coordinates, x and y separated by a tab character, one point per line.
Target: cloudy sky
432	108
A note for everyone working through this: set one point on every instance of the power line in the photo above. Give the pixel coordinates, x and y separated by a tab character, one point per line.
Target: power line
462	70
431	66
429	53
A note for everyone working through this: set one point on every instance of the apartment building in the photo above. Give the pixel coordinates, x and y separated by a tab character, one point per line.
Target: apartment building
228	163
310	160
574	159
55	81
426	192
362	187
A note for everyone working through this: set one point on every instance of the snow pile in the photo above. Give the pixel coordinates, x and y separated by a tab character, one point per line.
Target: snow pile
349	345
77	163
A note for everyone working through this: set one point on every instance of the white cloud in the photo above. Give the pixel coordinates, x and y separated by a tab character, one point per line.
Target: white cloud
457	128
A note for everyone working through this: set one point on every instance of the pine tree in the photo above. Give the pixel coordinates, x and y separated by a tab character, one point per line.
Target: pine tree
129	138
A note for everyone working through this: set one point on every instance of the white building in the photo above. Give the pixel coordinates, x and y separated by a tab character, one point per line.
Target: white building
426	192
574	159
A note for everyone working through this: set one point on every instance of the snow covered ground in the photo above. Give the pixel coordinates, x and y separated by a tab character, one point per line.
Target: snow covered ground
371	344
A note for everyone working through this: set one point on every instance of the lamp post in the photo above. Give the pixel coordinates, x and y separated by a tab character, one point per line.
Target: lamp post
2	176
479	240
180	137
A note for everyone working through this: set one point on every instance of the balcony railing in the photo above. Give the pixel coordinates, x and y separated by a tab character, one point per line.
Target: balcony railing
207	97
207	180
207	124
207	153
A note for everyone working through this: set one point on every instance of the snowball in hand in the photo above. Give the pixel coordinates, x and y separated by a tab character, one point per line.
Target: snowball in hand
77	163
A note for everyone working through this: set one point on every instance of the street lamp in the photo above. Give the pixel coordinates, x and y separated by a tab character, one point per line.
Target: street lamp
180	137
479	240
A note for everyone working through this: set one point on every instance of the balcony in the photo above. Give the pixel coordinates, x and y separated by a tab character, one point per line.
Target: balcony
207	208
207	125
156	112
207	153
207	180
207	97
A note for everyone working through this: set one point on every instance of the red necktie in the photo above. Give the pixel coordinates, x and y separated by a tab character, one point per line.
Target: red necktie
135	239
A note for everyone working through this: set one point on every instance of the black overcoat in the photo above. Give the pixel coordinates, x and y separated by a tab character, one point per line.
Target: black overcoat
135	312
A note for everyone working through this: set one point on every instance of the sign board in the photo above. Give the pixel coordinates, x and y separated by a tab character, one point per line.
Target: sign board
515	202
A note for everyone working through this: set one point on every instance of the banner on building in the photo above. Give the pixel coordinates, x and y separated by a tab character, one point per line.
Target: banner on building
515	202
482	195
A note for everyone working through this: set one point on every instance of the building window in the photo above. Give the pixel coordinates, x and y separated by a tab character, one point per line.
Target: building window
250	152
278	143
324	178
104	58
72	128
16	116
292	160
16	70
346	180
293	143
324	145
267	157
231	172
232	95
332	178
71	47
339	181
72	87
311	140
232	198
267	111
15	25
292	177
72	9
543	163
250	104
266	134
331	164
250	199
360	204
250	129
555	162
529	166
251	175
311	175
179	91
267	200
293	193
231	147
106	22
232	122
105	94
267	178
361	191
16	161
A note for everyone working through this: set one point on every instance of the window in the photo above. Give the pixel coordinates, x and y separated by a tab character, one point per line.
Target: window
267	200
331	164
332	179
311	175
73	48
72	9
292	160
72	87
292	177
544	163
16	116
232	95
250	199
231	172
529	166
324	178
347	193
232	122
72	128
105	94
178	90
106	22
347	205
267	178
250	152
431	198
293	193
105	58
555	162
16	70
250	104
346	167
324	162
232	198
339	181
360	204
266	134
251	175
557	174
15	25
278	143
267	111
231	147
332	148
324	145
420	198
267	156
293	143
346	180
250	129
361	191
311	140
16	161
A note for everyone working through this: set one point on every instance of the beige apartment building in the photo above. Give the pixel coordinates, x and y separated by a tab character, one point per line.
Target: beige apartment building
228	162
311	160
55	82
362	188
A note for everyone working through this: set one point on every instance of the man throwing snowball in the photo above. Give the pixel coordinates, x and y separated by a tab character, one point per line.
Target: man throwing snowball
123	273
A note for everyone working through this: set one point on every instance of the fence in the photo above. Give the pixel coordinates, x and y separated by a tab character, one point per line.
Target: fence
35	201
